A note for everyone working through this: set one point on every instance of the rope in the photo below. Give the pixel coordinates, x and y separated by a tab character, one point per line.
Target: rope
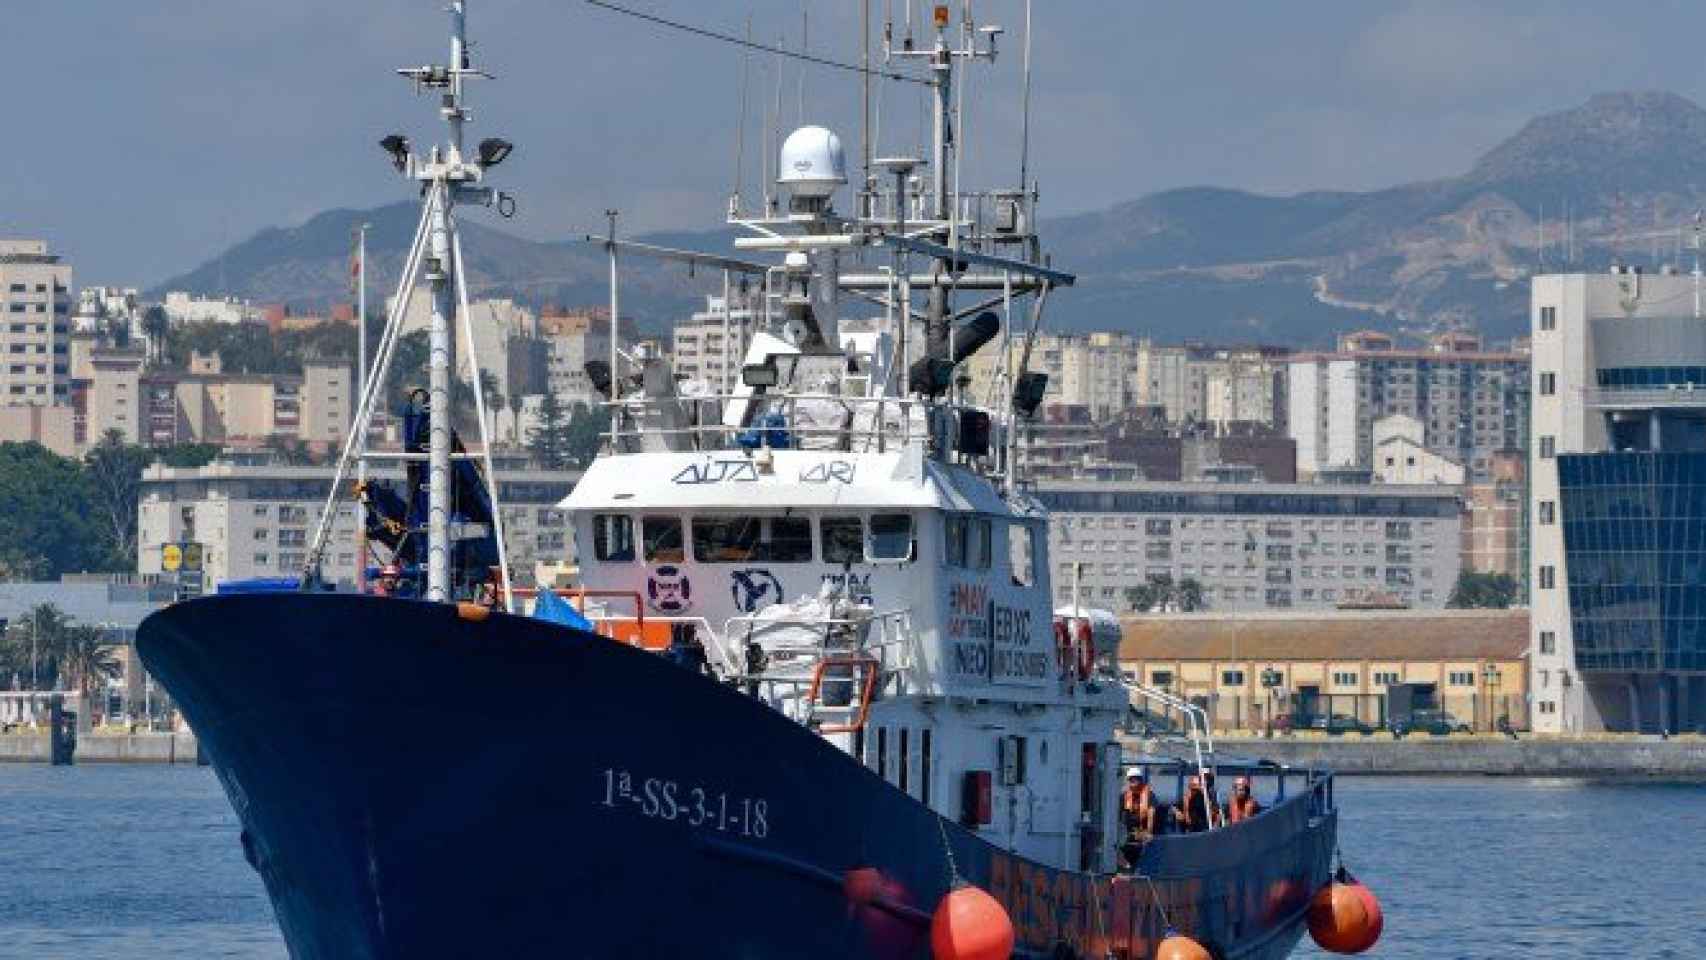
954	877
766	48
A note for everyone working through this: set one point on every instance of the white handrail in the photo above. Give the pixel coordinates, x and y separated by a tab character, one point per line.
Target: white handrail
1196	717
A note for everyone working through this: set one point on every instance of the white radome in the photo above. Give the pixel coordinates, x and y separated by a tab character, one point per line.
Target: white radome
813	164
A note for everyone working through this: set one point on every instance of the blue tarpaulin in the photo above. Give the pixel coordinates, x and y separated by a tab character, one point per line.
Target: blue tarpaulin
549	606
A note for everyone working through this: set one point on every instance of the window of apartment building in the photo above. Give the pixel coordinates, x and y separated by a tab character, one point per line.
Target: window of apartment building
1548	448
1548	706
1385	678
261	533
1232	678
1345	678
1161	678
1548	512
1461	678
1158	527
262	559
1548	383
1548	641
1548	318
1548	577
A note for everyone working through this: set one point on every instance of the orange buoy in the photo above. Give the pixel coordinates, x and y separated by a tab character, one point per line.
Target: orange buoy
1344	916
473	611
1177	946
969	924
862	885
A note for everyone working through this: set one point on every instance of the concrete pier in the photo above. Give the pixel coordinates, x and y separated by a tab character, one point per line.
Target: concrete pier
102	748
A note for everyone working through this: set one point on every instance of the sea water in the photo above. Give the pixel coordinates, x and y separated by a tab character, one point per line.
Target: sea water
130	862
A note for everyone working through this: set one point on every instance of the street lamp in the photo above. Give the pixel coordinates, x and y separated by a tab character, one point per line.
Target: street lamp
1271	680
1490	674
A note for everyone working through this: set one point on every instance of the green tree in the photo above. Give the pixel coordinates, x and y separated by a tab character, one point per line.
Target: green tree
114	469
1491	591
46	524
545	440
1160	592
189	454
84	659
34	644
582	435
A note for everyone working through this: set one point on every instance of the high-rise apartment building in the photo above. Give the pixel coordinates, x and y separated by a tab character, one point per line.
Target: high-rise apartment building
711	345
1618	503
35	320
573	337
1470	402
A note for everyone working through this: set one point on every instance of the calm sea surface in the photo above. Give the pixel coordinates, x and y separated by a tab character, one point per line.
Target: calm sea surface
138	862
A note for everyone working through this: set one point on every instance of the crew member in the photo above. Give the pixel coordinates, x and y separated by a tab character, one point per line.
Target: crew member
1138	805
1191	811
1243	804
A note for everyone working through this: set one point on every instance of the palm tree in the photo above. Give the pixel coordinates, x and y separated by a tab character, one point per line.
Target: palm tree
87	659
36	640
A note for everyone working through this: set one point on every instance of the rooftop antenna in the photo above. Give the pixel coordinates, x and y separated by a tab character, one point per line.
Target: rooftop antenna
1025	111
805	48
740	132
1697	224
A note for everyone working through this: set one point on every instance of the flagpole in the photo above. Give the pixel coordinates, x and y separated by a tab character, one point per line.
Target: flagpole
360	386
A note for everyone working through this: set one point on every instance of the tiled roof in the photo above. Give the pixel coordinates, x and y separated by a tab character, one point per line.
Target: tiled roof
1337	635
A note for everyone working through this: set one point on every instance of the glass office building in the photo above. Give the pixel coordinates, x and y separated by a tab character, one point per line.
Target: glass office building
1634	526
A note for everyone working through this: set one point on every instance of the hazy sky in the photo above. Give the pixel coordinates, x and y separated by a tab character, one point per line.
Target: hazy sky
142	137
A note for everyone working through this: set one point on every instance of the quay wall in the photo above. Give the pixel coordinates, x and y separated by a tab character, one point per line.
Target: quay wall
1681	757
103	748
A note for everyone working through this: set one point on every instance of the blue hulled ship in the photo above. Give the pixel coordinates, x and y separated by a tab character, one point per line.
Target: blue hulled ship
808	683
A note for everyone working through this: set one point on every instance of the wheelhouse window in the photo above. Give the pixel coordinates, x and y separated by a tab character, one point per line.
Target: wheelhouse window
613	536
750	539
843	539
891	537
664	542
1021	554
967	540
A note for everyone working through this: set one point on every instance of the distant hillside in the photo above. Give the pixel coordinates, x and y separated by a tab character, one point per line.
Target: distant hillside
1221	264
1194	263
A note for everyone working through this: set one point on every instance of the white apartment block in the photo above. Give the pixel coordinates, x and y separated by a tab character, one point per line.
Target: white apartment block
711	345
1618	503
571	339
1255	546
257	521
35	318
182	308
1470	403
1098	371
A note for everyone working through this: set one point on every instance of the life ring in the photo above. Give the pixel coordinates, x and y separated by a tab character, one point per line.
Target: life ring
1086	650
1063	646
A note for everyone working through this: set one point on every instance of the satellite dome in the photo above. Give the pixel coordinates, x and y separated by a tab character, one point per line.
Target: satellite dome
813	164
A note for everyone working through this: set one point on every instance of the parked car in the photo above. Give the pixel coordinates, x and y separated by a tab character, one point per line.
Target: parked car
1339	723
1435	722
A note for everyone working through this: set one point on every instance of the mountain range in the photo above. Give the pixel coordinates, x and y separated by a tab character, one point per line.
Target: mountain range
1197	263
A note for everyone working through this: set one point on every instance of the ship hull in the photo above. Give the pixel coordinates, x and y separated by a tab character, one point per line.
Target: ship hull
414	784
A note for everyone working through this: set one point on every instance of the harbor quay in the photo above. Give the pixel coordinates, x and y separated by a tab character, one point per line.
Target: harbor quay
1595	756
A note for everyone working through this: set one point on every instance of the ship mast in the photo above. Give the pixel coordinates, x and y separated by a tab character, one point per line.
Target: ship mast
448	178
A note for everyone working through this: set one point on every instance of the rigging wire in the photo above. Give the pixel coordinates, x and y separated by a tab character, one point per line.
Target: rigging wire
737	41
